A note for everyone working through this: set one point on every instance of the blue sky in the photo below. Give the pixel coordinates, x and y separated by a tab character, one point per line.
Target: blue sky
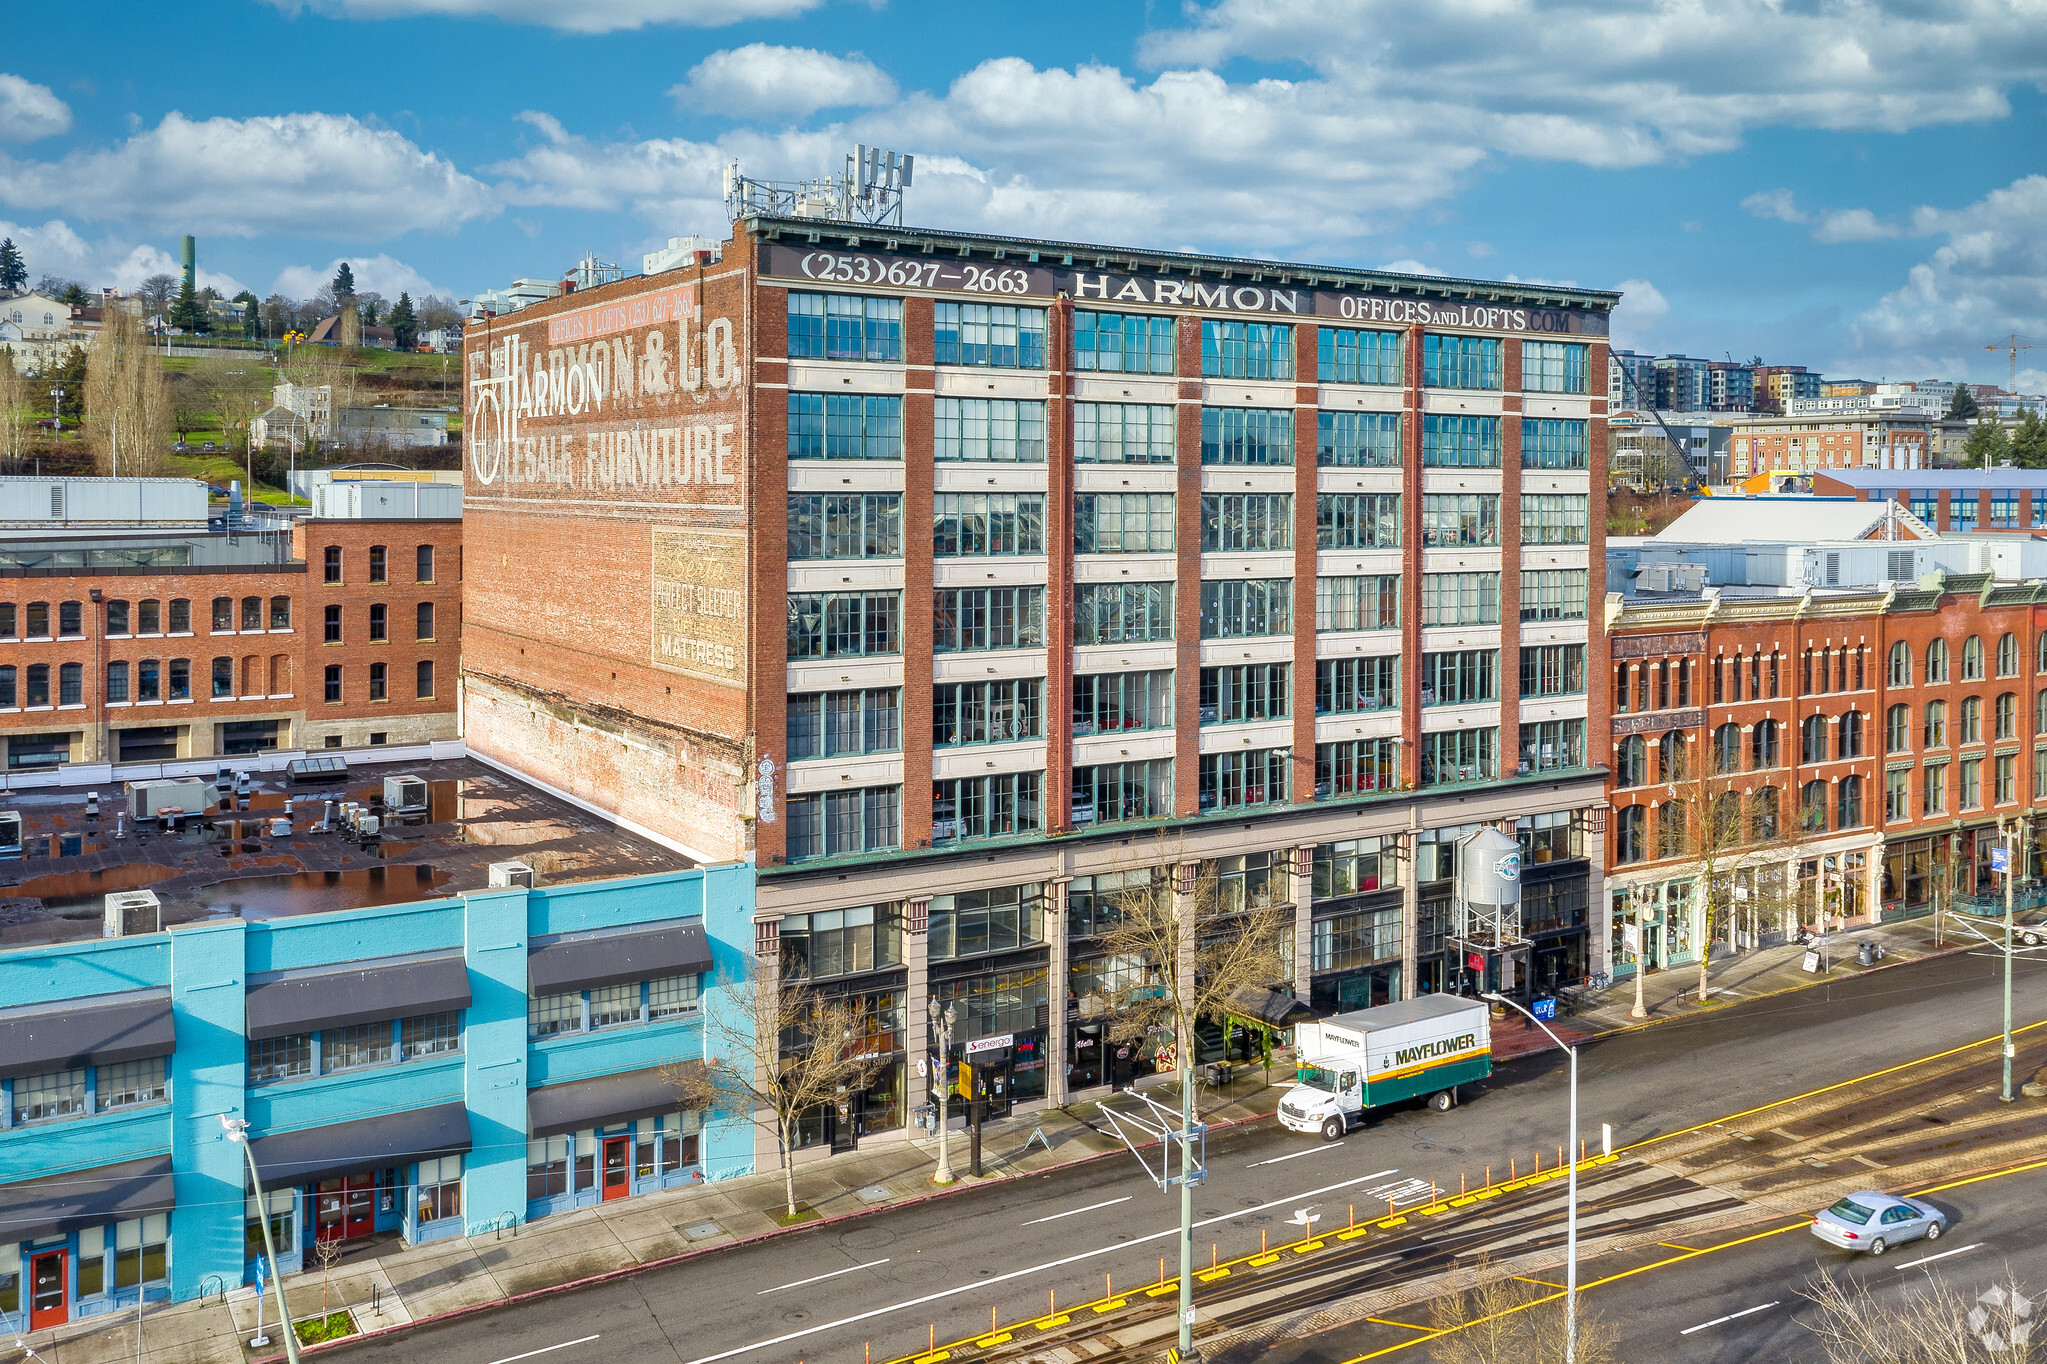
1852	184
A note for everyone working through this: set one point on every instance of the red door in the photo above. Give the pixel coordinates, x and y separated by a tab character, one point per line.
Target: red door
617	1167
345	1207
46	1284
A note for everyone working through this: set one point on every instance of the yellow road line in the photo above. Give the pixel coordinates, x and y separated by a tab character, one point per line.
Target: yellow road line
1672	1245
1544	1282
1383	1321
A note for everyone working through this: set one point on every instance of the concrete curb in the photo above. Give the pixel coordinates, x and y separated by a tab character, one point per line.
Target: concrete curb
626	1271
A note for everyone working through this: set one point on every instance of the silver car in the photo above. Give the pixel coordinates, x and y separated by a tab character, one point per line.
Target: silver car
1876	1221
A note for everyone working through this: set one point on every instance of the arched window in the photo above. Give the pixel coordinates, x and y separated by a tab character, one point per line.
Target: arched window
180	616
280	613
149	617
1764	812
38	684
181	679
1762	745
1812	739
1898	726
117	683
1671	840
1901	662
223	614
252	613
2040	713
1727	745
117	618
2007	715
38	623
1936	662
71	684
1670	754
7	697
1848	803
1631	761
2008	655
1848	735
1972	721
223	678
1726	828
70	619
1936	725
149	680
1812	807
1805	673
2040	654
1972	659
1629	823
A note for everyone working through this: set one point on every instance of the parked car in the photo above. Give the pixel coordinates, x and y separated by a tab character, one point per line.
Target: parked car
49	424
208	445
1877	1221
180	447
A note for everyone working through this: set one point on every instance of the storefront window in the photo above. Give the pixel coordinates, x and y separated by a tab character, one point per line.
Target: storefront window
842	941
283	1226
1354	866
1679	920
1344	941
1557	836
1252	881
1094	903
973	922
994	1002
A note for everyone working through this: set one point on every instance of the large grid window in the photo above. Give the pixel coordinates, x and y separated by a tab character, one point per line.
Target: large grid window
1461	677
1357	684
969	524
1358	440
1122	343
1256	776
673	996
845	525
612	1005
1247	435
1247	350
992	806
837	942
1371	602
989	335
835	823
54	1094
845	327
1125	433
993	712
845	426
1459	755
1344	356
1554	367
967	618
1357	520
1452	520
1247	521
1461	599
1554	443
1109	793
972	923
1460	361
837	723
1553	594
1452	442
1553	670
1113	703
1122	613
844	624
280	1058
1343	769
1241	609
1552	744
1123	523
430	1035
989	430
1554	518
352	1048
547	1015
1244	691
128	1084
1343	941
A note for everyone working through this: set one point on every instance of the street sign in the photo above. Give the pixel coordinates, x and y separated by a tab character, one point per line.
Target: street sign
1545	1009
2000	859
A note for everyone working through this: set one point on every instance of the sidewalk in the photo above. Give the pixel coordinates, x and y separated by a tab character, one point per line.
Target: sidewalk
386	1285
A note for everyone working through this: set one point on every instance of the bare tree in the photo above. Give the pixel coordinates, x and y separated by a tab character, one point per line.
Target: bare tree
1501	1319
156	294
14	416
438	311
777	1052
128	412
1929	1322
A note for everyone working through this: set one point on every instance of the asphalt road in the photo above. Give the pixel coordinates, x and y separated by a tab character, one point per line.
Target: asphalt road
888	1283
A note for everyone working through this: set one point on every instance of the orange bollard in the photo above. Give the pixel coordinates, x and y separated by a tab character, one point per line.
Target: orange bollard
1108	1287
1513	1170
1489	1176
934	1339
1460	1186
1211	1255
991	1319
1353	1218
1261	1240
1162	1269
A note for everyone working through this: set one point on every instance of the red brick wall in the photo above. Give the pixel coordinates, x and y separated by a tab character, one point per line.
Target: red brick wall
1307	398
919	570
400	595
1187	588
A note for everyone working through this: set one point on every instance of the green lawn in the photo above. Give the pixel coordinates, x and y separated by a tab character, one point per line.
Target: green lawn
223	468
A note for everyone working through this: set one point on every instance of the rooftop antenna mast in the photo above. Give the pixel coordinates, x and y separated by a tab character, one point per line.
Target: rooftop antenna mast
869	190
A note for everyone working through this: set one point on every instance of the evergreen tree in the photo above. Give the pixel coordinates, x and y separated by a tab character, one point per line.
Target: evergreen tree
13	270
1963	404
74	292
343	287
252	316
2029	441
404	323
188	313
369	312
1987	445
69	375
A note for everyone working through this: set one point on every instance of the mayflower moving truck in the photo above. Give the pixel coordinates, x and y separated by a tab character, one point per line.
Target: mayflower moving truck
1355	1061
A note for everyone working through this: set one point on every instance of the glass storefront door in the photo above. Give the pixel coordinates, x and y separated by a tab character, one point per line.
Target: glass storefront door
345	1207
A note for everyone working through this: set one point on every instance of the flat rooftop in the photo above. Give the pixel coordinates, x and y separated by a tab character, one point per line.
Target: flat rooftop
229	863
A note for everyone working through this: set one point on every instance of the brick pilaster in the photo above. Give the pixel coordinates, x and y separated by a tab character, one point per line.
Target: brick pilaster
918	602
1306	403
1187	588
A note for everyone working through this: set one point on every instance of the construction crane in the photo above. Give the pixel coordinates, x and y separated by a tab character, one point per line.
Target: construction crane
2011	346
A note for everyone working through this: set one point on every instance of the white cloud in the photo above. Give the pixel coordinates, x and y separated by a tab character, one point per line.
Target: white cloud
760	80
56	249
143	261
1408	265
1989	279
28	111
298	174
1639	314
573	16
1853	225
379	274
1780	204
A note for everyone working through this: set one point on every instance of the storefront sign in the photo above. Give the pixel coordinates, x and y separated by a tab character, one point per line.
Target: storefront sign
999	1042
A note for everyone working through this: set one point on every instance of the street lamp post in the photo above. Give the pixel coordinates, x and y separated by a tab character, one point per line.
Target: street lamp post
1571	1225
942	1021
238	1132
57	408
1641	941
2011	860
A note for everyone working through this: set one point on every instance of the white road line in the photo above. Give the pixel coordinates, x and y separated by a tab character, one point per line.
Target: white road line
1731	1316
508	1359
1929	1259
1291	1200
1312	1150
820	1278
1075	1212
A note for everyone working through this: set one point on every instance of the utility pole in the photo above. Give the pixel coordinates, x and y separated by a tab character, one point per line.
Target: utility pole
1188	1354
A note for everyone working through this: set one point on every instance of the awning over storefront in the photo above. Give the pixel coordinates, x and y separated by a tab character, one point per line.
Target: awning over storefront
604	1100
55	1204
584	961
97	1031
286	1002
1268	1008
316	1153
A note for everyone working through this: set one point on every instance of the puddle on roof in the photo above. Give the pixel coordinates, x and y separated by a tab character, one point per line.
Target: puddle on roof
81	889
316	892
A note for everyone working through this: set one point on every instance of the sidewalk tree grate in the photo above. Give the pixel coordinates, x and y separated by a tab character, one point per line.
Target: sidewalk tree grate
703	1231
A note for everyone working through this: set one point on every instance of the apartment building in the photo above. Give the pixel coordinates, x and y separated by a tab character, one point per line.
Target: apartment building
1814	441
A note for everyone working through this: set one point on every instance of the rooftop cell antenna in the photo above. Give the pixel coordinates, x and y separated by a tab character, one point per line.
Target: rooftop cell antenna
869	190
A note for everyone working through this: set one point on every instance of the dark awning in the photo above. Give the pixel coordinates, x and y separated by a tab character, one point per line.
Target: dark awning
54	1204
97	1031
605	1099
584	961
1269	1007
315	1153
285	1002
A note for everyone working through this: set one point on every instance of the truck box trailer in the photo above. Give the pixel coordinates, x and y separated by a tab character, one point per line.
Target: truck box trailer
1350	1063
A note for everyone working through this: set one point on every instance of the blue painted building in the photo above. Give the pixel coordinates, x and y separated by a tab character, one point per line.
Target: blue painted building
432	1069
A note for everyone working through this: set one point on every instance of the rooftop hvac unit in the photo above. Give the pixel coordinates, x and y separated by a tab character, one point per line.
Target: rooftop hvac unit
404	796
169	797
10	833
507	874
1671	577
130	912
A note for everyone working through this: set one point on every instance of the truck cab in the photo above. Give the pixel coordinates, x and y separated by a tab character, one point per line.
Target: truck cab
1325	1099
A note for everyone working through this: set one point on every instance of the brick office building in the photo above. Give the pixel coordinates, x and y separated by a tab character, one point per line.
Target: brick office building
942	573
2003	499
